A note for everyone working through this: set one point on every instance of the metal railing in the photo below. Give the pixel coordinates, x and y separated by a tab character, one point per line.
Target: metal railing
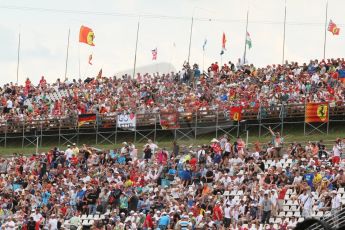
191	125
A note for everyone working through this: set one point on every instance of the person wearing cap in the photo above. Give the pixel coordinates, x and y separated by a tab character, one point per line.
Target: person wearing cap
335	206
227	215
163	221
53	222
266	207
217	214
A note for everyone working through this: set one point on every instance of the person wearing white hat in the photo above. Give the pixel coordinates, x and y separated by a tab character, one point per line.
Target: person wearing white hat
53	222
335	208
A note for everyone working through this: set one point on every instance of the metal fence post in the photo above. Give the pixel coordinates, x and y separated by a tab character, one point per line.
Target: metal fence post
217	124
196	124
6	127
59	132
116	128
23	133
97	117
155	132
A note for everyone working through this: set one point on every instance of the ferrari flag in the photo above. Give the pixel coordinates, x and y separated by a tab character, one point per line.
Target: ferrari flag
333	28
86	35
236	113
316	112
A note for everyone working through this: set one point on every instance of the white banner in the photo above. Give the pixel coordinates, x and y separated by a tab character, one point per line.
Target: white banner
126	121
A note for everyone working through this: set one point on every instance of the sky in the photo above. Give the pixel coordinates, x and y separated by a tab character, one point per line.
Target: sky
44	24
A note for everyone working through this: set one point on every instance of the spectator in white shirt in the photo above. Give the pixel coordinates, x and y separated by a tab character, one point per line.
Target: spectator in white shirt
306	203
53	223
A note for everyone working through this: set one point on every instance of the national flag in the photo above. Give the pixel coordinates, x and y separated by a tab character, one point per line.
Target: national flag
248	41
90	59
154	54
223	42
100	74
236	113
86	35
86	118
332	27
316	112
204	45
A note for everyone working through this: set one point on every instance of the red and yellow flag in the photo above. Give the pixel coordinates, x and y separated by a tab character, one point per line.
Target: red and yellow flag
223	41
316	112
236	113
333	28
86	35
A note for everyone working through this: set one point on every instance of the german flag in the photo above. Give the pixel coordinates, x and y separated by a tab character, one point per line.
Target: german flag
86	35
236	113
316	112
86	118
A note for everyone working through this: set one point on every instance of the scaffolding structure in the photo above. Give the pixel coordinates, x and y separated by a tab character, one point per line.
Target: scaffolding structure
65	130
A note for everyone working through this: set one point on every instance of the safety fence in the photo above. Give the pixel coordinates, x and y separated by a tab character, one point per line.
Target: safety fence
191	125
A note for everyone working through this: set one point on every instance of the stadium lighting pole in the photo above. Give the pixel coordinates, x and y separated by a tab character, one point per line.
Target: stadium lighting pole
284	35
18	55
69	33
324	42
136	49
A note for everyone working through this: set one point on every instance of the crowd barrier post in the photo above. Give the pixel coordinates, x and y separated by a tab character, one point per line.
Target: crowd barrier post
155	132
59	133
135	129
23	137
6	128
217	123
196	124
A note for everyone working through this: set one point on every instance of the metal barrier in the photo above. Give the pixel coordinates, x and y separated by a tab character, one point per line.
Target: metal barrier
192	124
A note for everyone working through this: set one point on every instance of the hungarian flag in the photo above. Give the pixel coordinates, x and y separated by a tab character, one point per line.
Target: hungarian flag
154	54
86	118
316	112
248	41
223	41
236	113
86	35
332	27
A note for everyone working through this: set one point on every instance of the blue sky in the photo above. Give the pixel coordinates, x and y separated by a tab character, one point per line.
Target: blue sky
44	34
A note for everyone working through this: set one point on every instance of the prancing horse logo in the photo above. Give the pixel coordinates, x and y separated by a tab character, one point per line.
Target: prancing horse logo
322	112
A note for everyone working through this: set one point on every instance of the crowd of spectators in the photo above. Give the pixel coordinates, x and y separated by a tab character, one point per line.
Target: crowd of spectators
185	91
223	184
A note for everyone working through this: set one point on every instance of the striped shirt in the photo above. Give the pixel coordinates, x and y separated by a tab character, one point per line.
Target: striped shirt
184	224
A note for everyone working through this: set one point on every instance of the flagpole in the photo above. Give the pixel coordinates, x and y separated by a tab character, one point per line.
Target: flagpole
283	59
245	40
18	56
79	59
190	37
69	33
203	61
324	43
136	49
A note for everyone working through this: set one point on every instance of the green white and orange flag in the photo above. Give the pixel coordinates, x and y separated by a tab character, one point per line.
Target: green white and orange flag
248	41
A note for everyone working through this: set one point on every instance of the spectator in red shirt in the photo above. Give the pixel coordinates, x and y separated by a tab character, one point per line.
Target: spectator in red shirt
217	214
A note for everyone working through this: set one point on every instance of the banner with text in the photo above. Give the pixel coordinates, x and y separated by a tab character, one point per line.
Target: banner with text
126	121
